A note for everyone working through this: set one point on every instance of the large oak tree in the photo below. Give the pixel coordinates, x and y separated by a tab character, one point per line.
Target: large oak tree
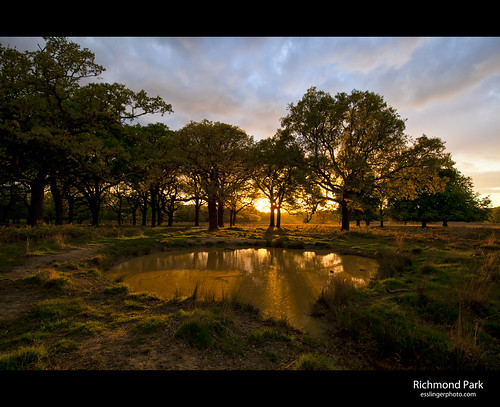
355	144
48	114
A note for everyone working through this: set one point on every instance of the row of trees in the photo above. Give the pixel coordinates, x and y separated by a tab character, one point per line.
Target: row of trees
62	133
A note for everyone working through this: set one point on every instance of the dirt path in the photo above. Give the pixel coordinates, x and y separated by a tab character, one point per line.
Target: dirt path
15	297
36	262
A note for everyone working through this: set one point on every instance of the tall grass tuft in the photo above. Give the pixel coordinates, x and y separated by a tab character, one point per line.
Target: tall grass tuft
473	293
465	352
490	268
335	295
392	263
47	278
309	361
24	358
202	328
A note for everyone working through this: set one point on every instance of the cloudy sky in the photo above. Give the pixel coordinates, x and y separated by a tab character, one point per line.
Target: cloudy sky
445	87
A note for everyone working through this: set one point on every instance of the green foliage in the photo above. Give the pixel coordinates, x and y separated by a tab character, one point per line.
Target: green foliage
495	214
396	333
456	202
357	149
59	129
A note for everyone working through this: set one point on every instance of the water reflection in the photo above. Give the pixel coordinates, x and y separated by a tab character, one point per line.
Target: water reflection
281	282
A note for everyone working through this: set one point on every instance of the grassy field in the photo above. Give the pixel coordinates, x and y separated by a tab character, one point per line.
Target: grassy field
435	303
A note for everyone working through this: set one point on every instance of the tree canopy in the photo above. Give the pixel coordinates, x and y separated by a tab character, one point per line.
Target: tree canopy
52	124
66	134
355	145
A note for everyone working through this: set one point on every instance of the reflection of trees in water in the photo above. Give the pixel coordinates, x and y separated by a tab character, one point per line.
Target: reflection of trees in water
281	282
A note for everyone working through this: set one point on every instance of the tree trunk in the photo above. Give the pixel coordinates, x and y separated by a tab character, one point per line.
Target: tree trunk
71	207
197	207
271	217
278	217
58	200
153	207
159	213
345	215
220	214
94	206
445	223
171	211
35	210
424	223
212	213
381	213
144	209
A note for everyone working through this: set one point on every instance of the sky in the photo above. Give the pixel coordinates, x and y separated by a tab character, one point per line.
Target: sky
445	87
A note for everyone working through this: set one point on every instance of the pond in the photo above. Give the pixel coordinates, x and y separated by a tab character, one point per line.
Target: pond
282	283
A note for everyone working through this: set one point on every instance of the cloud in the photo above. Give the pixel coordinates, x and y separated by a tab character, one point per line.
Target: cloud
445	87
442	68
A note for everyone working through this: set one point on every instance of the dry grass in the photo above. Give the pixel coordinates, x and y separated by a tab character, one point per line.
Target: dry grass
464	341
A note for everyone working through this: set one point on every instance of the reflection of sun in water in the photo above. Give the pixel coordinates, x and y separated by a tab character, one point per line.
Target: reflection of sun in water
262	205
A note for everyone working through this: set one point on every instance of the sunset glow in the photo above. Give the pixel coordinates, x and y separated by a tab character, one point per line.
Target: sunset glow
262	205
456	96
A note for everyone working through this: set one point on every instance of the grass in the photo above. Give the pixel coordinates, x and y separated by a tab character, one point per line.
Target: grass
262	335
430	306
314	362
24	358
435	303
201	328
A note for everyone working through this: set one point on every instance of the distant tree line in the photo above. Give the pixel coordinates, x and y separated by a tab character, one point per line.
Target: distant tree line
71	140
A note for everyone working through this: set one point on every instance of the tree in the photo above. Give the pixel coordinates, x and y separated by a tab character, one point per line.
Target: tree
277	162
354	144
36	89
456	202
214	152
47	115
241	197
495	214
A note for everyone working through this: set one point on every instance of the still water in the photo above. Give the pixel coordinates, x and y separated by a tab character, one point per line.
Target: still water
282	283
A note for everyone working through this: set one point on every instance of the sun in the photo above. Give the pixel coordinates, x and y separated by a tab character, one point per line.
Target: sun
262	205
